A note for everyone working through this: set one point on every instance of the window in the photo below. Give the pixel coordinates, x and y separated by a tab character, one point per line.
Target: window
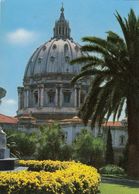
39	60
67	95
52	59
65	48
44	48
36	97
76	48
122	140
67	59
51	97
54	46
66	135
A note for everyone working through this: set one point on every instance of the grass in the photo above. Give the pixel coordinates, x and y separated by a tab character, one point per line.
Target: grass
107	188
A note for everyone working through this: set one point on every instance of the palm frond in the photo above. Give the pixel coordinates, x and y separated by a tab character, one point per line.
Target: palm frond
94	48
95	40
86	59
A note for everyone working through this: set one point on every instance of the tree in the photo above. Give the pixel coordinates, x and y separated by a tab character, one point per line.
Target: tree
113	65
109	156
88	149
2	93
52	143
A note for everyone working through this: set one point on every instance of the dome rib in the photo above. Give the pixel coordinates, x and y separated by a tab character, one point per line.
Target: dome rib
37	55
48	55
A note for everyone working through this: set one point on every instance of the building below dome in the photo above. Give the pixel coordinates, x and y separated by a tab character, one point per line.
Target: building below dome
47	92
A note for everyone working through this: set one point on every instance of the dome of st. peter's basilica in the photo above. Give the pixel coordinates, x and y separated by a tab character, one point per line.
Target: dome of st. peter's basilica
47	92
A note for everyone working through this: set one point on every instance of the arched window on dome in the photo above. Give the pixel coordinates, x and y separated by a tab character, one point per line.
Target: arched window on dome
76	48
67	59
66	48
54	46
39	59
44	48
36	97
52	59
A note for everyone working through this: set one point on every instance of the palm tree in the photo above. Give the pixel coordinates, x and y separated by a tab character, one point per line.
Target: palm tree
112	64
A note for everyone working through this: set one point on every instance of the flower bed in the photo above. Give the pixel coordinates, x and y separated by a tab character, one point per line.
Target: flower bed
46	165
73	178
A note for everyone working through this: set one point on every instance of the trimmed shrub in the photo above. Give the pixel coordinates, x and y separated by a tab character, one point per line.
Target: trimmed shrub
112	170
73	178
44	165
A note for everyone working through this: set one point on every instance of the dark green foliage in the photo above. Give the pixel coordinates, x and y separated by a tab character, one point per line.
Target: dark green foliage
66	152
21	144
109	156
52	145
88	149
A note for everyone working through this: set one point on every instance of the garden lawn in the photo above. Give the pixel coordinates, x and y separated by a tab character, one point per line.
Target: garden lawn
107	188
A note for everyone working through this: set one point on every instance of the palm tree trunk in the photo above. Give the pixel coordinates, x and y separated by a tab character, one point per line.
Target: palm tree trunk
133	134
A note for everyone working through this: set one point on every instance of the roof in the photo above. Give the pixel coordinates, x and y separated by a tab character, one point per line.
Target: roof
55	55
8	119
113	124
74	120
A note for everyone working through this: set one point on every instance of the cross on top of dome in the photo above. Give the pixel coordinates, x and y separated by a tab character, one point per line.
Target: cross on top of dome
62	17
62	29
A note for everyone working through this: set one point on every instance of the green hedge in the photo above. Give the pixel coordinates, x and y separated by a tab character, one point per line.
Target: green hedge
112	170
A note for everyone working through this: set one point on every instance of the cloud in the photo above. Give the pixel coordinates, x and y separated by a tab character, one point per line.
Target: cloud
21	36
9	101
8	107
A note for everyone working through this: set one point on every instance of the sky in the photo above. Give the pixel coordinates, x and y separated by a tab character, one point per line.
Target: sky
26	24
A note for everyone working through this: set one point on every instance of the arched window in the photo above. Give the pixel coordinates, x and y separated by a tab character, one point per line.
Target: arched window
76	48
44	48
54	46
36	97
52	59
51	97
65	48
67	59
39	60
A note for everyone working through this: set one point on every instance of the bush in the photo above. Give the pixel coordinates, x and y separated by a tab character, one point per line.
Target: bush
73	178
88	149
51	144
21	144
112	170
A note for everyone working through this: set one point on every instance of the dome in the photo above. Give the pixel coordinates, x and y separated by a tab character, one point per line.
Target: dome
47	92
53	57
